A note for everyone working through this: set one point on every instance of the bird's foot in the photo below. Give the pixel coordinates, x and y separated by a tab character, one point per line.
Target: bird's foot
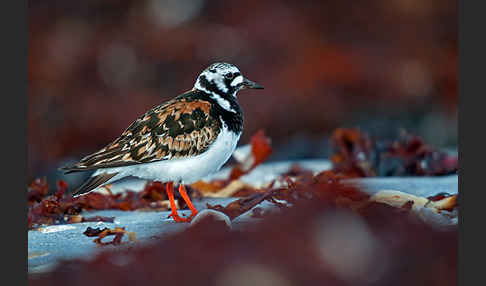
177	218
182	191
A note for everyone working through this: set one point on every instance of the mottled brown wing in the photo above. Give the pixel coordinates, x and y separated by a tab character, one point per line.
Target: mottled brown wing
179	128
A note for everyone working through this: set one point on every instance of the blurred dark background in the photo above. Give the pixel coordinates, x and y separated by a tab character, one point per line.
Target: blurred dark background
381	65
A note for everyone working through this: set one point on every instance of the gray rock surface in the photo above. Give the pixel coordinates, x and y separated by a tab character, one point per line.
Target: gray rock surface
54	243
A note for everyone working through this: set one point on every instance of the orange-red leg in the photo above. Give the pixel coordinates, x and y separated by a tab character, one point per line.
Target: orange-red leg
173	214
182	191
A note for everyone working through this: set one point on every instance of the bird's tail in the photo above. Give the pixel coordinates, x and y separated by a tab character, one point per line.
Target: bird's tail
93	182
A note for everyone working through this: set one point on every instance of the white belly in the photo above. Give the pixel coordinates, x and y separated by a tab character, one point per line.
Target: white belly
186	170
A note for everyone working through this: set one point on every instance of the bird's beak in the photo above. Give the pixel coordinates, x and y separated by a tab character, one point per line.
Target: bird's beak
250	84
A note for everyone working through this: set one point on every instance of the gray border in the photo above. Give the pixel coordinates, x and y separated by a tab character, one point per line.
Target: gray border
470	85
14	135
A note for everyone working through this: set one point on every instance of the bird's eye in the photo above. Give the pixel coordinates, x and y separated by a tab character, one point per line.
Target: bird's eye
229	75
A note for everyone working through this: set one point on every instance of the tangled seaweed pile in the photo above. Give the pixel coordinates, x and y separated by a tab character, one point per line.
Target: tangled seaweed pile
355	154
327	234
325	231
62	208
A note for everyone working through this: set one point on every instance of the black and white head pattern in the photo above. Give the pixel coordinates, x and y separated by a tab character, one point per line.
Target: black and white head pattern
222	81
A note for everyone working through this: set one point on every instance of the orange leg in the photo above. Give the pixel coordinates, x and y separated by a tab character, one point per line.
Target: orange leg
174	215
182	191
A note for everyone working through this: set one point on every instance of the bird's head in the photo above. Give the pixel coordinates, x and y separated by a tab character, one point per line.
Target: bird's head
223	79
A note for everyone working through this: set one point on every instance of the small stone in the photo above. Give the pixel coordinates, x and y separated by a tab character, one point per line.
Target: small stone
211	213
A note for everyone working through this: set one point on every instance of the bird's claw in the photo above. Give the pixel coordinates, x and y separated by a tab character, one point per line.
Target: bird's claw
177	218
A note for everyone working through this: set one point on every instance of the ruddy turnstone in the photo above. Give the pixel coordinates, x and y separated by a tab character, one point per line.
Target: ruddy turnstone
179	141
